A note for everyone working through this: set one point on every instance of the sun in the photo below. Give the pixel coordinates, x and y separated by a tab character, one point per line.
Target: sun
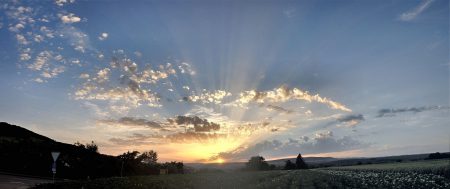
220	160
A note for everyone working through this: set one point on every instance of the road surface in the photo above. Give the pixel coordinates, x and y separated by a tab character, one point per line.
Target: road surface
19	182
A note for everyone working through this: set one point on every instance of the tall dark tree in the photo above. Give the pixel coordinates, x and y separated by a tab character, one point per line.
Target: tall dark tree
256	163
289	165
300	163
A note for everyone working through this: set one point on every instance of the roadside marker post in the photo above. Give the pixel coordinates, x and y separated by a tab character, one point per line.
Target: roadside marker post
55	156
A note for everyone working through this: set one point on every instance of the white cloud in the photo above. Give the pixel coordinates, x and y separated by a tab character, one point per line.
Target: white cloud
70	18
42	60
62	2
79	48
38	38
21	39
283	94
84	76
76	62
186	68
103	75
17	27
412	14
206	97
25	57
47	32
103	36
39	80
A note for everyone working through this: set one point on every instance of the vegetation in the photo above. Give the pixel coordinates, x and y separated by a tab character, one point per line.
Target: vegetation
342	177
29	153
299	163
257	163
438	155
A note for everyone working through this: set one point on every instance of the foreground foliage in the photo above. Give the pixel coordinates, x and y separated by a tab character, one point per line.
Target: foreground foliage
424	174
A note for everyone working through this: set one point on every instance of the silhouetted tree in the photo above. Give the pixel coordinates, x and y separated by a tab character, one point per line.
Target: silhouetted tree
289	165
92	147
300	163
173	167
438	155
257	163
149	157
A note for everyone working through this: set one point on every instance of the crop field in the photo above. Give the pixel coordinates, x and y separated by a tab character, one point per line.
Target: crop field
421	174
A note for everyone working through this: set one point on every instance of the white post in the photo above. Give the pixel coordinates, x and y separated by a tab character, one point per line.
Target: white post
55	156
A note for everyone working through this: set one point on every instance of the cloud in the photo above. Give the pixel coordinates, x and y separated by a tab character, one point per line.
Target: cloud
186	68
45	62
200	125
283	94
24	56
63	2
131	121
412	14
38	38
84	76
393	112
194	137
322	142
76	38
70	18
21	39
279	109
133	89
206	97
136	139
243	153
16	28
47	32
351	120
103	36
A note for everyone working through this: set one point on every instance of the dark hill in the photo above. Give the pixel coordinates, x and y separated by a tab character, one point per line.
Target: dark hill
25	152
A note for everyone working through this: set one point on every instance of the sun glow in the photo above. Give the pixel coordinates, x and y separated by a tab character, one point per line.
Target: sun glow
220	160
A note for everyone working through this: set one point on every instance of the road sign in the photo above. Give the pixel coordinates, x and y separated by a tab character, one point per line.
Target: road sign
55	155
54	167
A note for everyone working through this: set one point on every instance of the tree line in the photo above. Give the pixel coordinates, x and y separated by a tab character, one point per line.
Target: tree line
258	163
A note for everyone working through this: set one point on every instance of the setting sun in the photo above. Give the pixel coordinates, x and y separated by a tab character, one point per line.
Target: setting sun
220	160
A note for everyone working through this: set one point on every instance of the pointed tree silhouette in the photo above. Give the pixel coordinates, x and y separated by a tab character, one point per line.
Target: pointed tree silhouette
300	163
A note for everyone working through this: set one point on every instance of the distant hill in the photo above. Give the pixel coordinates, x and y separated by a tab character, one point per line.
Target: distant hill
25	152
238	165
314	162
308	160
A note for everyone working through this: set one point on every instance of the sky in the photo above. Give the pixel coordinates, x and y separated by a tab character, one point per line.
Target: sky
213	81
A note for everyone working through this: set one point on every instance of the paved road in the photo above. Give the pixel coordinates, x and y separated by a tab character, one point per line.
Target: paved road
18	182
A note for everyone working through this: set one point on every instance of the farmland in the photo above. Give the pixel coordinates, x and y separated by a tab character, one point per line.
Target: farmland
420	174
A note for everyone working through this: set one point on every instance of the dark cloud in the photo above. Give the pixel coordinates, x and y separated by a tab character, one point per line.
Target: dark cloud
245	153
136	139
321	143
349	118
193	137
392	112
200	125
346	121
279	109
131	121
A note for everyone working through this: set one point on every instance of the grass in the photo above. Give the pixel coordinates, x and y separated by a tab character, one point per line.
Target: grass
389	175
401	166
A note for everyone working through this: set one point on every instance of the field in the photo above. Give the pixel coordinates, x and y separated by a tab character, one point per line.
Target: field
421	174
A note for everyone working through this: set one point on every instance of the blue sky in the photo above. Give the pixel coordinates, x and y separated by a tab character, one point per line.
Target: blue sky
339	78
